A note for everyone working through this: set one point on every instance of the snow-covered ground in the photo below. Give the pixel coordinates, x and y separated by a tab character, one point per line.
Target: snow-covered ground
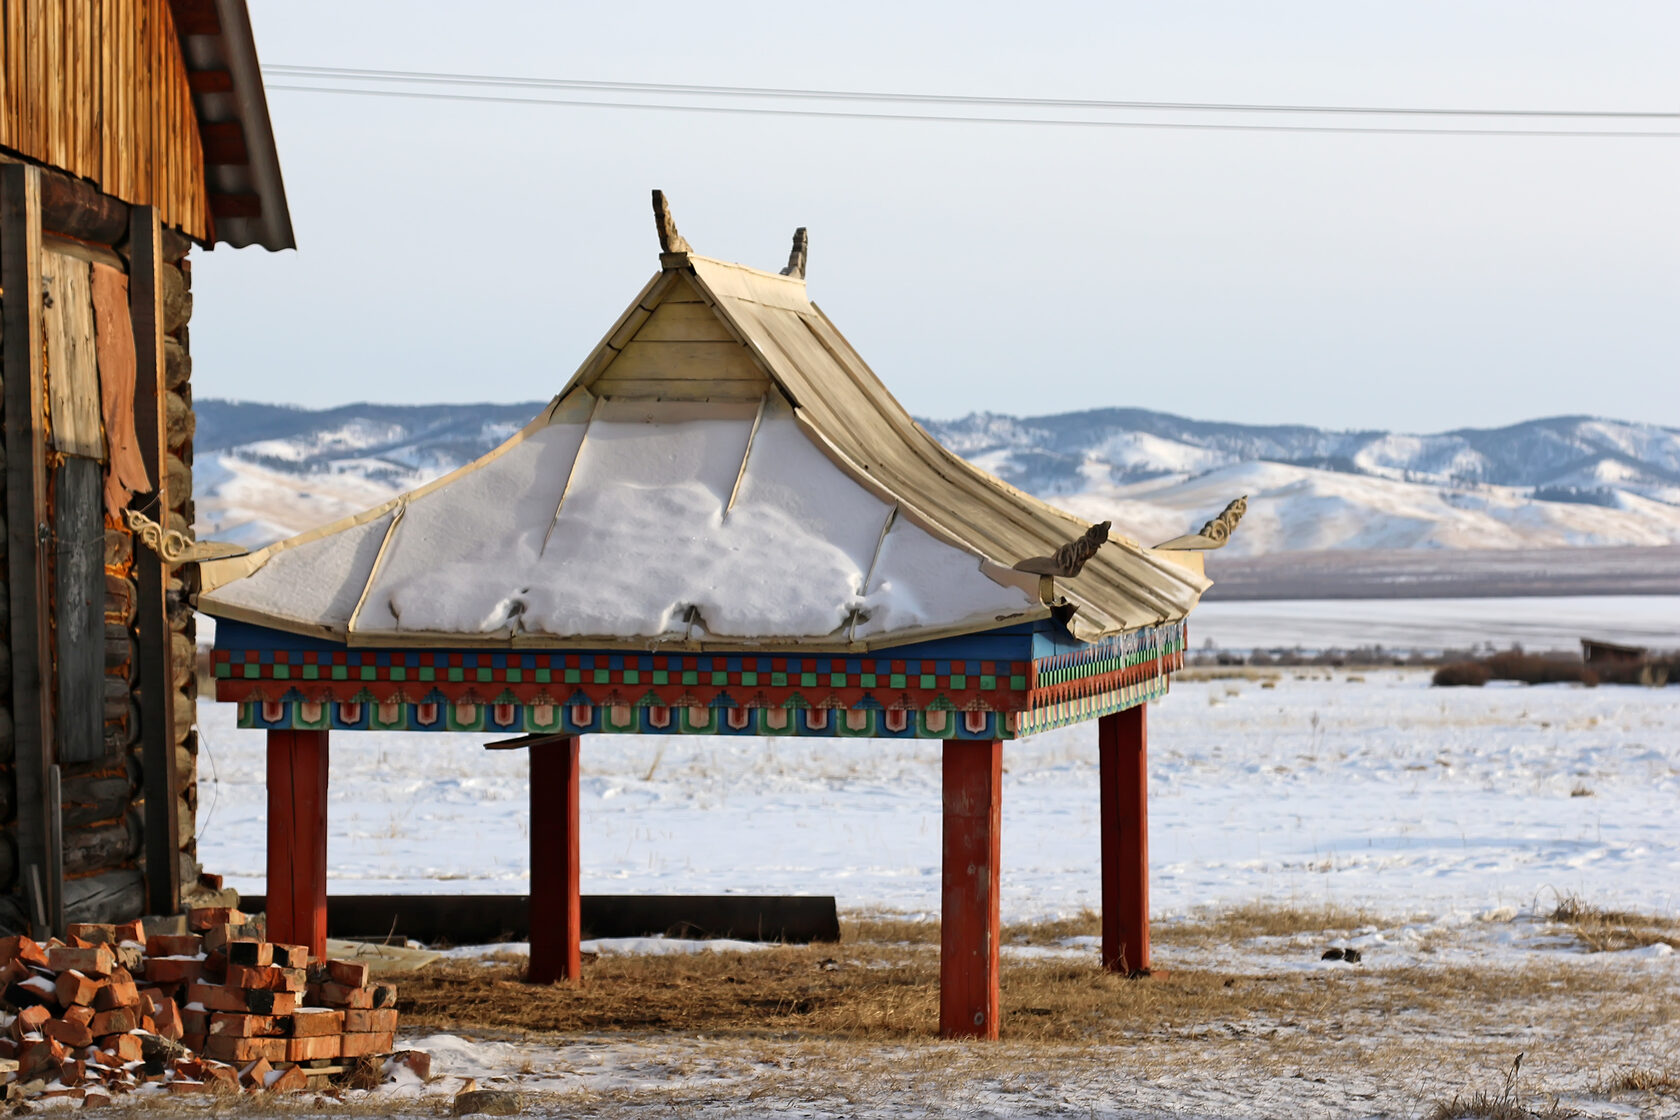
1378	791
1457	815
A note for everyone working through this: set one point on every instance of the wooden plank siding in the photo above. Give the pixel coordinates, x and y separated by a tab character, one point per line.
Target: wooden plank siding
98	89
681	351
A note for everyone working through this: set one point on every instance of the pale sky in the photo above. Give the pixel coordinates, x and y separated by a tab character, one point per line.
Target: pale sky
459	252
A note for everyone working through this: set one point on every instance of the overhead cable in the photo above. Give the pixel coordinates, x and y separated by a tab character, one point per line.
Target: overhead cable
952	118
428	77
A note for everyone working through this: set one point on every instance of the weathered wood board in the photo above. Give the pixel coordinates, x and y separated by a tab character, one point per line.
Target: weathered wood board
72	365
26	513
151	577
685	361
79	579
684	322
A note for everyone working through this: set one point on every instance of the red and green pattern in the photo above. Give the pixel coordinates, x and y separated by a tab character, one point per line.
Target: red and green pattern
277	685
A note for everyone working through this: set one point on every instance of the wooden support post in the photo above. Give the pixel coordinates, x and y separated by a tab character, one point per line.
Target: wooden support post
1123	750
154	642
28	529
556	908
297	839
968	929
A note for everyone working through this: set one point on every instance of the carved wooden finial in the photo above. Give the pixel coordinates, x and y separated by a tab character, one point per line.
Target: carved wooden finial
1069	559
1214	534
670	241
1221	527
796	259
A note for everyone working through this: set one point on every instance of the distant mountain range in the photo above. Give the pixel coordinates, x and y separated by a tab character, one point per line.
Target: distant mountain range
266	471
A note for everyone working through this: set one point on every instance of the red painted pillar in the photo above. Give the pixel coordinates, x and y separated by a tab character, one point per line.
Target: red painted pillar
1123	749
297	839
556	915
968	929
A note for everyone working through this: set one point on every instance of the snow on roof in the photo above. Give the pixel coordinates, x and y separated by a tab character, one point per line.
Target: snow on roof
723	471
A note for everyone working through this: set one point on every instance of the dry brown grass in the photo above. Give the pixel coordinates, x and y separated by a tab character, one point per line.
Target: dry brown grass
1226	673
876	992
1660	1082
1601	930
891	929
1237	924
1507	1104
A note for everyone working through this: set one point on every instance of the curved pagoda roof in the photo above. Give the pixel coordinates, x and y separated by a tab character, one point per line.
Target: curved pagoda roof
723	471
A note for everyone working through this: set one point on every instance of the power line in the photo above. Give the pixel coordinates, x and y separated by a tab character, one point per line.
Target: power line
774	92
841	114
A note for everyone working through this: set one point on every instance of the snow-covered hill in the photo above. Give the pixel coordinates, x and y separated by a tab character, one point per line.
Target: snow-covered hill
266	471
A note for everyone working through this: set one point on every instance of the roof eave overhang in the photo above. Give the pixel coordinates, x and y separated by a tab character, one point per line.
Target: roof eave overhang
247	197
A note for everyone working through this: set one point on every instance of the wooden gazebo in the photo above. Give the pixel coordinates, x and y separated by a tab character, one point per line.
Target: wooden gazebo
723	525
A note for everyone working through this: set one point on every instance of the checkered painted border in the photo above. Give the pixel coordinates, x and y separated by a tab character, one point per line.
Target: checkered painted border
591	719
699	694
609	679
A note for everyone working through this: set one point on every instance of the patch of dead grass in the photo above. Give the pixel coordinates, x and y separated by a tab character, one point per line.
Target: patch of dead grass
1601	930
1245	923
885	993
1662	1082
1226	673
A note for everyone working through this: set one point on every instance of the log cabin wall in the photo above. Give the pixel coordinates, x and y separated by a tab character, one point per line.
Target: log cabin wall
102	805
118	111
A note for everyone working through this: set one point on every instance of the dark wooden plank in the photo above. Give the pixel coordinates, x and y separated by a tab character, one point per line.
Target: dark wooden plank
195	17
79	579
224	142
235	205
478	919
210	81
26	526
154	676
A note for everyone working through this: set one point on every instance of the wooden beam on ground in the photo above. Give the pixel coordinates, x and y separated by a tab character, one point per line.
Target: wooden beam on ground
479	919
968	928
297	839
155	674
1123	772
556	910
28	527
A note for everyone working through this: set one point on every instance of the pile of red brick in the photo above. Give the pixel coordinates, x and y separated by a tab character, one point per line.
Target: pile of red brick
109	1009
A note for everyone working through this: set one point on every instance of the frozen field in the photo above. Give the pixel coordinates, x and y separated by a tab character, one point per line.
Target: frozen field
1378	791
1536	622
